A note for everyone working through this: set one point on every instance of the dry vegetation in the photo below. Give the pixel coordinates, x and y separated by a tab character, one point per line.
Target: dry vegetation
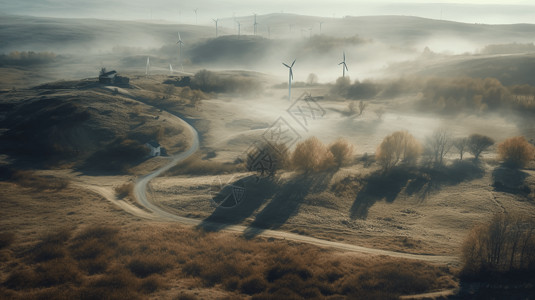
399	147
443	95
196	165
106	262
516	151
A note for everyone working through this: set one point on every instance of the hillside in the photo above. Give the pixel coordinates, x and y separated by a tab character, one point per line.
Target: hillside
83	124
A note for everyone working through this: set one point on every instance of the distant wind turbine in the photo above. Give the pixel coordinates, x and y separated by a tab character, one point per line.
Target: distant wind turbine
255	24
147	68
344	66
215	21
239	28
170	69
196	19
290	77
321	23
180	43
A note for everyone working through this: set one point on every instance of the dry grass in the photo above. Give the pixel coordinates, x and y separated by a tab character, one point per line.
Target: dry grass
6	239
41	183
194	165
142	260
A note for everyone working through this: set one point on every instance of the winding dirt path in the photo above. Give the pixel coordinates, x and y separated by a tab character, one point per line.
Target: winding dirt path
153	212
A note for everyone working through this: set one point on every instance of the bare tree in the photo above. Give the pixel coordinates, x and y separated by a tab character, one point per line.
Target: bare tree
379	113
362	107
439	144
478	143
312	79
461	144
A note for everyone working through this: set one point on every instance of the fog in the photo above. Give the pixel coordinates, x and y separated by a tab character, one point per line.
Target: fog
489	12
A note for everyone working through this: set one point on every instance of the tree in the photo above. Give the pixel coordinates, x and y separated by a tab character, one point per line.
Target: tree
478	143
362	107
267	159
311	155
439	144
516	151
342	152
312	79
398	147
379	113
461	144
504	244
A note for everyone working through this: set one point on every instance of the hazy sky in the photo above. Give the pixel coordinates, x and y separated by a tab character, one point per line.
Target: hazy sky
472	11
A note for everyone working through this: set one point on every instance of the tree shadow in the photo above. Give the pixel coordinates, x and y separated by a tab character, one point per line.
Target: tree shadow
432	179
510	180
287	201
413	181
256	193
379	186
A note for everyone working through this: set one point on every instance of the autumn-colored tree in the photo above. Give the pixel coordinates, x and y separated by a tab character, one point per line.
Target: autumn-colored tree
516	151
311	155
342	152
398	147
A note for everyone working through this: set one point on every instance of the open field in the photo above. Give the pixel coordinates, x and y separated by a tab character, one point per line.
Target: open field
341	192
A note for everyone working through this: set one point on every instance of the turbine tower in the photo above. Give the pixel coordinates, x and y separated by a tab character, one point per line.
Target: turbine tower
290	77
344	66
215	21
147	68
321	23
255	24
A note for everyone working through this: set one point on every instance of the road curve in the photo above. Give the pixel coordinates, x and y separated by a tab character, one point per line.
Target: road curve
140	193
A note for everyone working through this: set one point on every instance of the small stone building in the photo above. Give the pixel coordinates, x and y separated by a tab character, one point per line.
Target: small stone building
154	147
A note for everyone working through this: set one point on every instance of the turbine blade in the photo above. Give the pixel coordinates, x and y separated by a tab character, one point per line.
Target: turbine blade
287	66
344	56
346	67
294	62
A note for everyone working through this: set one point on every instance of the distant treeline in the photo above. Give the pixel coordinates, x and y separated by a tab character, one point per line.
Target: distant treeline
445	95
26	58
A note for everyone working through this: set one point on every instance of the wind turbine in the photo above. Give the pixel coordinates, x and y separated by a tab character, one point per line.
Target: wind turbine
215	21
290	77
239	28
321	23
196	19
344	66
147	68
180	43
255	24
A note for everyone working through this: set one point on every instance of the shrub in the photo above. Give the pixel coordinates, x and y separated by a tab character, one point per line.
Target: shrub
516	151
143	267
478	143
342	152
253	285
125	190
398	147
312	155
